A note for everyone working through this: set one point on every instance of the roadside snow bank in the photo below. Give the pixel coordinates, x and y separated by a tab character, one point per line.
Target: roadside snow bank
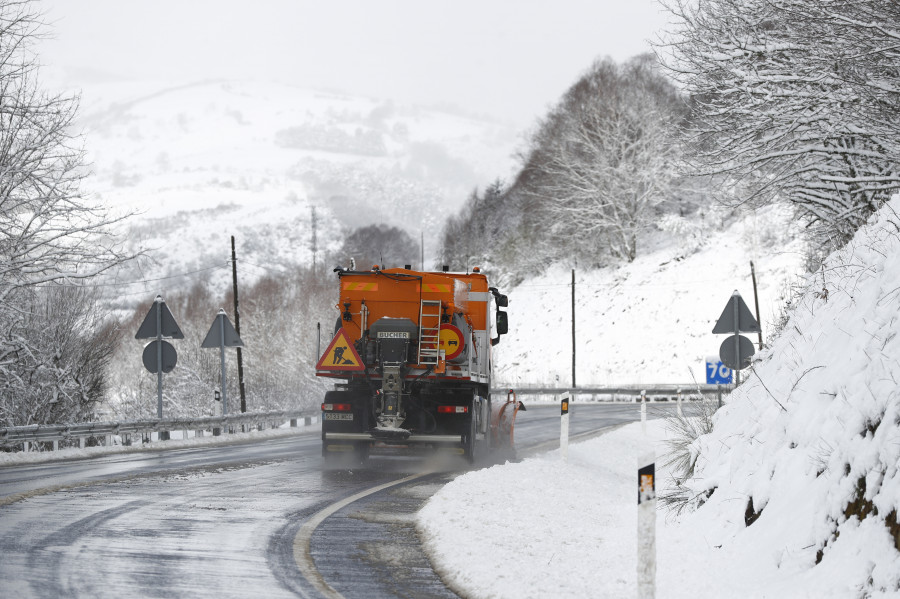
542	527
811	442
548	528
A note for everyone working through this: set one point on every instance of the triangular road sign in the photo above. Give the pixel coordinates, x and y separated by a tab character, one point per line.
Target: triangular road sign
169	327
340	355
745	324
214	336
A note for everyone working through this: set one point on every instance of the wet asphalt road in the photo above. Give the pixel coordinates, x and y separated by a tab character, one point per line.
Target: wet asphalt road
224	521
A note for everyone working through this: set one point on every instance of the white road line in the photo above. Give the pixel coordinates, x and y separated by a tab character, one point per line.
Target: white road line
302	553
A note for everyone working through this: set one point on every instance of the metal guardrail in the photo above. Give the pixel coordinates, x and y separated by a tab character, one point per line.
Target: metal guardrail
23	435
686	390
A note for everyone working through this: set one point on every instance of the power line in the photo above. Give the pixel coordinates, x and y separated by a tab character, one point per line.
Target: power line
176	276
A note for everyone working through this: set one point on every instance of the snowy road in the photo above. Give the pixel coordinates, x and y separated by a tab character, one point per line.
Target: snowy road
228	521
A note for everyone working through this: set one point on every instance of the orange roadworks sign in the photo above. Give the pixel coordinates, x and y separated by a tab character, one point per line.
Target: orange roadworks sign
340	355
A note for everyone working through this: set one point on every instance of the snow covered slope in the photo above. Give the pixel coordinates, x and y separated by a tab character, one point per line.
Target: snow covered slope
650	321
811	444
798	484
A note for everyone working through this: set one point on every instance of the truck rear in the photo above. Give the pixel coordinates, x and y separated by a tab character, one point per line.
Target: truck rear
413	350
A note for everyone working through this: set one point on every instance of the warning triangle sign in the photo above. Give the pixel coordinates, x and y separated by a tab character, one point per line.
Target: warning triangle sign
340	355
745	323
222	333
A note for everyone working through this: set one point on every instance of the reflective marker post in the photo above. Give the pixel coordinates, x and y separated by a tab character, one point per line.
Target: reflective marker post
564	426
644	412
646	527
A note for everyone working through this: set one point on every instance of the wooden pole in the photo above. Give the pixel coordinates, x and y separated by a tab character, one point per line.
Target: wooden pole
237	326
573	328
756	300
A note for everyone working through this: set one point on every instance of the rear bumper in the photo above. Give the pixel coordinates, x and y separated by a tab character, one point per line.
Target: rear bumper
440	439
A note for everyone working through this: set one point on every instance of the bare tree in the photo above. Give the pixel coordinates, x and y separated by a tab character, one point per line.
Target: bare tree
49	232
603	159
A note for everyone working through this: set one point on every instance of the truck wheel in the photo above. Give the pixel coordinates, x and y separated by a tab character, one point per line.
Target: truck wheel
470	442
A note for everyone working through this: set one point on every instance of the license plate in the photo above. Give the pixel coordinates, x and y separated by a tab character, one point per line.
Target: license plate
332	416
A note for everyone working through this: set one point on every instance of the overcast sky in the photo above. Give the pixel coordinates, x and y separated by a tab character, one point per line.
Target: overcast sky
507	58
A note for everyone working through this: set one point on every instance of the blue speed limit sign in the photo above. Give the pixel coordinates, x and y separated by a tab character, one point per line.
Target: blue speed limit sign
717	373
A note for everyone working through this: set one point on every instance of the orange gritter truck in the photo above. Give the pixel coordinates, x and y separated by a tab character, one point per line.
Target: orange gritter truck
414	352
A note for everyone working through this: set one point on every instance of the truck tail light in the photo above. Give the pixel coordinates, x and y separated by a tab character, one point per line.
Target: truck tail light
337	407
452	409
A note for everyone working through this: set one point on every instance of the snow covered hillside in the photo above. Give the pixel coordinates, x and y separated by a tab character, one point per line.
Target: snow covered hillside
204	161
650	321
794	494
804	458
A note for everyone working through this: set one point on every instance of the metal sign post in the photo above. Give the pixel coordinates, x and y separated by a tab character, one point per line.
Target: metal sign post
159	356
736	318
222	334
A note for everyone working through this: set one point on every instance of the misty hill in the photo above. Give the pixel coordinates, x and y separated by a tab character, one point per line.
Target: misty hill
204	161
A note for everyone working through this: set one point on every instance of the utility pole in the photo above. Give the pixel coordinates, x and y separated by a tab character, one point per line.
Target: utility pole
237	327
315	242
573	328
756	299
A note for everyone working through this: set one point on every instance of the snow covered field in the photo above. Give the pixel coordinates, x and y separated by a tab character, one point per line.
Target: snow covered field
651	320
794	494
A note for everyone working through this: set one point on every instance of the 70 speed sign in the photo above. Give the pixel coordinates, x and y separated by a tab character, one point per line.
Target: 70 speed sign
717	373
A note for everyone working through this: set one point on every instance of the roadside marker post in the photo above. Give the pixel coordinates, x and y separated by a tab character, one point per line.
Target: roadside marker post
564	426
644	412
646	527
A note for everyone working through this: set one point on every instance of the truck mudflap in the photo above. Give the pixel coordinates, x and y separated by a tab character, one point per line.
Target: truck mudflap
503	423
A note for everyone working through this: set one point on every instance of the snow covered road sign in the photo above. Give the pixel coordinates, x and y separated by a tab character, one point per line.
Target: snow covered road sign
222	334
736	317
736	352
164	326
159	323
151	356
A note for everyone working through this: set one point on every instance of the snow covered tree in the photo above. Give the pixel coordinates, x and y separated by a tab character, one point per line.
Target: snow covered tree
602	158
49	233
793	99
471	238
63	345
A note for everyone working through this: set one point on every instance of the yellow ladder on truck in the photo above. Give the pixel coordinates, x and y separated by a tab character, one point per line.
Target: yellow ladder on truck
429	331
